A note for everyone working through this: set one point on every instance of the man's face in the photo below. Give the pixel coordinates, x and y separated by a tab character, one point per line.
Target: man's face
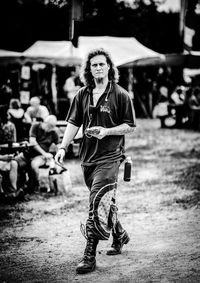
99	67
35	105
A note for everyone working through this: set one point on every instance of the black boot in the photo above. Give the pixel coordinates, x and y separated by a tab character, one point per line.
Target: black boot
88	262
120	237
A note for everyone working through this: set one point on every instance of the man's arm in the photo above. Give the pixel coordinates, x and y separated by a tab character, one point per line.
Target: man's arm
70	132
38	148
114	131
44	112
120	130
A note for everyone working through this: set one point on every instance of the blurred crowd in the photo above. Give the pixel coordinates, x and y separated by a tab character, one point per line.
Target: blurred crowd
29	135
28	141
179	110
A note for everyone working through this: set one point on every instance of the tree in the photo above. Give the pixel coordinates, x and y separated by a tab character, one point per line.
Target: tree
23	22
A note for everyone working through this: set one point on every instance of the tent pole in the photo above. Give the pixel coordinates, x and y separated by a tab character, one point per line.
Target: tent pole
130	83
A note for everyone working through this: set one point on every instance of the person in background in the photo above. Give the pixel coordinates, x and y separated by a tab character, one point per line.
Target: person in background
193	102
6	93
17	116
36	111
7	128
161	108
7	165
106	112
42	136
71	86
178	105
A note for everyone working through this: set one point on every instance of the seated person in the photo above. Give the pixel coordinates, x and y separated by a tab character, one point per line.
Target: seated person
7	128
178	96
161	109
193	102
8	169
7	135
178	106
42	136
36	111
18	117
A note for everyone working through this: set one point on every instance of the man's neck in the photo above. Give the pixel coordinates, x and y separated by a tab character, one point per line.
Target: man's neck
101	84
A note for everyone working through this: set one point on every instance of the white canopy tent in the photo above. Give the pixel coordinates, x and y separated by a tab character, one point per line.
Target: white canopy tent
7	56
61	53
7	53
124	50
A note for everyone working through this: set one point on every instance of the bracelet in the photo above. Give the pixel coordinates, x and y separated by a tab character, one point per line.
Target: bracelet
63	149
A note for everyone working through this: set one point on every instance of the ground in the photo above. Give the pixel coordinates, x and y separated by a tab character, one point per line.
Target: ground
160	208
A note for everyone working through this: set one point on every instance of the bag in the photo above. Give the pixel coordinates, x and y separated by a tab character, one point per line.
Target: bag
59	179
60	182
55	178
43	178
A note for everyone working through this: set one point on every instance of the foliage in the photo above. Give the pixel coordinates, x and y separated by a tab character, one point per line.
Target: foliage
159	31
25	21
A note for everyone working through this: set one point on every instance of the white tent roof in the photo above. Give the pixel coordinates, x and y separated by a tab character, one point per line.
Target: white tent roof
123	50
7	53
55	52
7	56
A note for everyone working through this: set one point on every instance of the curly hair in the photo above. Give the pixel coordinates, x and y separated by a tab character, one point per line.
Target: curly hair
86	76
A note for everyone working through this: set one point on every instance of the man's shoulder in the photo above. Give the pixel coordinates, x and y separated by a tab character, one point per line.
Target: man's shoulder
36	125
29	109
82	90
43	108
120	90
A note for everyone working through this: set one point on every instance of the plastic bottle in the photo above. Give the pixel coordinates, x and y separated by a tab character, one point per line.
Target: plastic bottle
127	169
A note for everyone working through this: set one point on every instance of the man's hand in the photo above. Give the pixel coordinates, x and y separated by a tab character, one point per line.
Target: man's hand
60	155
97	132
48	155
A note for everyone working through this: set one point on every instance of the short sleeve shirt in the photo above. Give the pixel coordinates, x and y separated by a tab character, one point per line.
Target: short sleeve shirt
43	138
113	109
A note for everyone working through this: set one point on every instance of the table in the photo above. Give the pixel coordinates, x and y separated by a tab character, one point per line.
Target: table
9	148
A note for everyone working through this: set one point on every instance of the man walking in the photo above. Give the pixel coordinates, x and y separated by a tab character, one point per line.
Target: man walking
105	111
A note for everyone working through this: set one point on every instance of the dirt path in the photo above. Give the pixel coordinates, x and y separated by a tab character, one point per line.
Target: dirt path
40	240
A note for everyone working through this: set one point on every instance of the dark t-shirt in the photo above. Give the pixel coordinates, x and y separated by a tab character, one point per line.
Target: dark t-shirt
113	109
43	138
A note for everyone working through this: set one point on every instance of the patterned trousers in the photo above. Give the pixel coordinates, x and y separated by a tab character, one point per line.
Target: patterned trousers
101	181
